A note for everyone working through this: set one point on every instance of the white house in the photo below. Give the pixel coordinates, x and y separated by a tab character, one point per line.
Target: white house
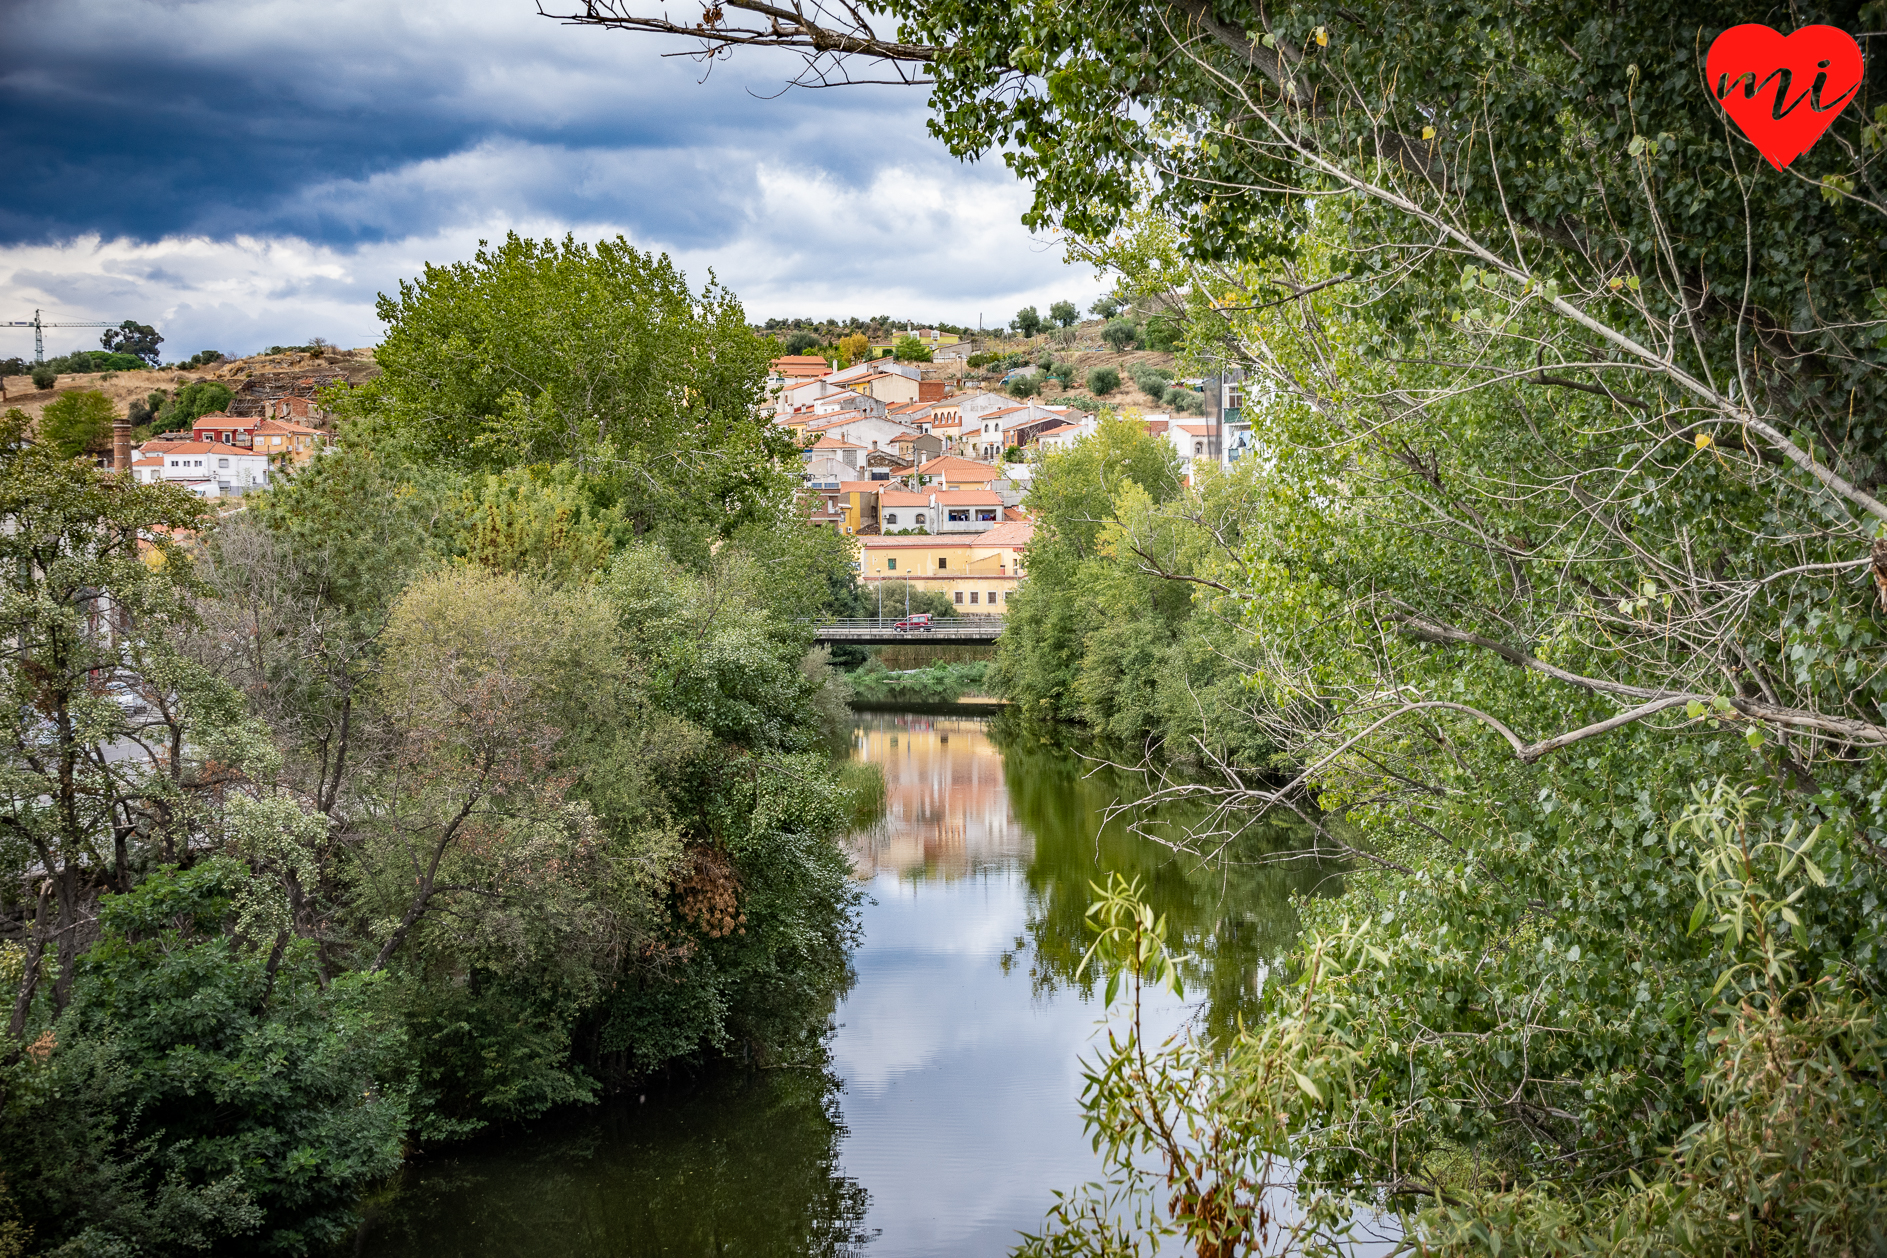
975	405
869	431
929	510
876	366
846	401
1194	443
209	468
966	510
991	436
899	511
832	446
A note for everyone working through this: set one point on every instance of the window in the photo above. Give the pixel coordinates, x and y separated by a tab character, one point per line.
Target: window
222	462
972	597
992	596
1198	447
891	517
959	515
986	513
1006	594
891	564
957	596
920	517
942	564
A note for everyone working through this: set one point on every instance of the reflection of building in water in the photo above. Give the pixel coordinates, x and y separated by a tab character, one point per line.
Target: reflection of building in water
946	810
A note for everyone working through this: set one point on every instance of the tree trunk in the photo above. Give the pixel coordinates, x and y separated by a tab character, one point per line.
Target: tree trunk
29	981
67	889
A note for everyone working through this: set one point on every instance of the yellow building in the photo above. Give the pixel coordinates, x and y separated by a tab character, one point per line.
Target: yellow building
979	571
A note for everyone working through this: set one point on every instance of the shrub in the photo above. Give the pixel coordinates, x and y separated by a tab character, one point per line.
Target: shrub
77	422
897	596
44	377
1164	334
801	342
1122	334
1023	386
92	361
190	403
1103	381
1150	380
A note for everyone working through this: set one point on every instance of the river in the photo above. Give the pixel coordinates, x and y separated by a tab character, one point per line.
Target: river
947	1112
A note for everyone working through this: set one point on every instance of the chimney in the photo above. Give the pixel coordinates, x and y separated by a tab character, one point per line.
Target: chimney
121	444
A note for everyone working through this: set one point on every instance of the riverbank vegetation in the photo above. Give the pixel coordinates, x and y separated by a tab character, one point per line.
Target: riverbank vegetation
1557	571
480	769
1123	624
940	682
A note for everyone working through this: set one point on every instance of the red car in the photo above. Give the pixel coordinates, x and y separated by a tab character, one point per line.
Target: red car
913	623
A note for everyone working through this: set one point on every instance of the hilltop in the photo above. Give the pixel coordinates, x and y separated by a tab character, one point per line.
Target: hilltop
259	375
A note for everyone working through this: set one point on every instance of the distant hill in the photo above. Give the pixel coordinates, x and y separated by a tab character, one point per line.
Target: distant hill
254	379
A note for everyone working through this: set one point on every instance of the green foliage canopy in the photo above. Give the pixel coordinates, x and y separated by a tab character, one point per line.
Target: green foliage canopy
74	423
538	352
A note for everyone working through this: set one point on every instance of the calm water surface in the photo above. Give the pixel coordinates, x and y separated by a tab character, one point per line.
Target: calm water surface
948	1111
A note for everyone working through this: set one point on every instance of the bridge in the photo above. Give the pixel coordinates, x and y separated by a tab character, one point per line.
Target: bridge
883	631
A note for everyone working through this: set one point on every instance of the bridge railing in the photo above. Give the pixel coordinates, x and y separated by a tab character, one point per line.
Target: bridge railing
889	624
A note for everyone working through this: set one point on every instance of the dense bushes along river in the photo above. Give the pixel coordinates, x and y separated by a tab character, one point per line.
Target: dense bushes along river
429	793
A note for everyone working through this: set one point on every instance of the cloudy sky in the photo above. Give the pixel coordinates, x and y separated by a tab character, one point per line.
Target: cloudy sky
248	172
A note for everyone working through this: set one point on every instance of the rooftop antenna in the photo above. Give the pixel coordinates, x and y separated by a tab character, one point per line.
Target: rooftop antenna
39	326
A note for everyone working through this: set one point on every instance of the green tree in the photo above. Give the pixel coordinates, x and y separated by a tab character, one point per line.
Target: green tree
909	349
131	337
1122	334
204	1089
96	593
77	422
1024	386
1108	306
801	342
545	351
1103	380
1065	314
142	412
44	377
1027	321
190	403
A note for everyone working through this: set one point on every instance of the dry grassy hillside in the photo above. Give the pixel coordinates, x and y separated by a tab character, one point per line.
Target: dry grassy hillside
356	365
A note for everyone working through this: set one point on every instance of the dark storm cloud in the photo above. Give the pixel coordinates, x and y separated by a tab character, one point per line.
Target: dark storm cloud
141	120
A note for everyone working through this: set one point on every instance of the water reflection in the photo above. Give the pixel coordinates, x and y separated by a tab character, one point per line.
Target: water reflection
950	1110
740	1165
1233	916
947	810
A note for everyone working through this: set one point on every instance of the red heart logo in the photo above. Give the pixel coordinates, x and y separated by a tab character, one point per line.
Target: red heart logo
1783	91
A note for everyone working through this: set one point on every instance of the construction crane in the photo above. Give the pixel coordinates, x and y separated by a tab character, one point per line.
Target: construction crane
39	327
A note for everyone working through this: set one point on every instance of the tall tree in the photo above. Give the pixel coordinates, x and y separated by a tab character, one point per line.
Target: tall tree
78	422
106	749
545	351
131	337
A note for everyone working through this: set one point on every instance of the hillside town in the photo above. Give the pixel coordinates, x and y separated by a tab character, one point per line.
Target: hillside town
930	476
